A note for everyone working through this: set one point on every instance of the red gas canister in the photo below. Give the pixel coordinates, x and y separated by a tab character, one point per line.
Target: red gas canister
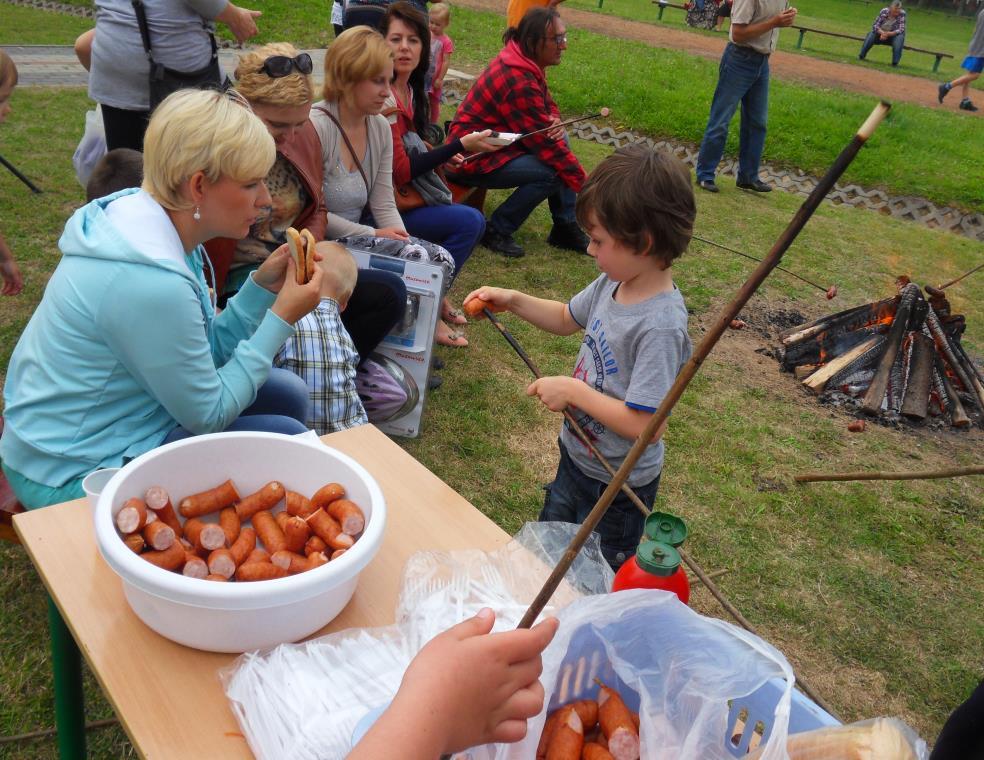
655	565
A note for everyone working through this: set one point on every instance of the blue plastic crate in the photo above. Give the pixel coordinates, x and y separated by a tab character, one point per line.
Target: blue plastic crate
757	710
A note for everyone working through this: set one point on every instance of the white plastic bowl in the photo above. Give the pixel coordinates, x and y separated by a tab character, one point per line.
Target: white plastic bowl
239	617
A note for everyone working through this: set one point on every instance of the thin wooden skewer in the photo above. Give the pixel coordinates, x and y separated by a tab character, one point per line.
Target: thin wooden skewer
576	427
544	129
952	472
958	279
701	576
700	354
829	292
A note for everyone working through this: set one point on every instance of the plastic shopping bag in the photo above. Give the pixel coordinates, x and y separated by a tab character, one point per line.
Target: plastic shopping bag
676	668
91	147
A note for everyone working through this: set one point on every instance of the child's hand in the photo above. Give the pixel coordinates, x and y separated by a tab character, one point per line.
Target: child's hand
556	393
499	298
469	687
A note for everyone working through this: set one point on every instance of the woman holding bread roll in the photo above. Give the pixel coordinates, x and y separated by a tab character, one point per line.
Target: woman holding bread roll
276	81
125	351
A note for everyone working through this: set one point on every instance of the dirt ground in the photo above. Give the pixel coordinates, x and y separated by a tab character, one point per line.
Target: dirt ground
796	68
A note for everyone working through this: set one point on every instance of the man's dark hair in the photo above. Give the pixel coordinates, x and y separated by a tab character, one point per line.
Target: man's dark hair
531	33
644	199
117	170
416	20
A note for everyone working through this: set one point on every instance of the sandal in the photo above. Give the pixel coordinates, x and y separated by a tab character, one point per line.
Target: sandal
445	336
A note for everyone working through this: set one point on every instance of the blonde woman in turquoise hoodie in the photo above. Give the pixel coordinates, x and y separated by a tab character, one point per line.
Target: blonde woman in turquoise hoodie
125	351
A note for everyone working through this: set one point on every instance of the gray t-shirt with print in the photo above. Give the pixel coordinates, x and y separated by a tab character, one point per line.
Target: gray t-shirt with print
630	352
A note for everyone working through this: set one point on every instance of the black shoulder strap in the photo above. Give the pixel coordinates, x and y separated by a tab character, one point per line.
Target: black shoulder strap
138	8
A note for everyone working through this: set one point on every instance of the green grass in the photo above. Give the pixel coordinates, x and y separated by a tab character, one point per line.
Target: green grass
925	29
873	590
30	26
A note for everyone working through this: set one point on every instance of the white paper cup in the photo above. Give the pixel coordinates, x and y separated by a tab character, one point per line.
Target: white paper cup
95	482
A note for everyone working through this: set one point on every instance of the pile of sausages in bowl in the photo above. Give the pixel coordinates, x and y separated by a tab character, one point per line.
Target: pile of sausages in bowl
238	617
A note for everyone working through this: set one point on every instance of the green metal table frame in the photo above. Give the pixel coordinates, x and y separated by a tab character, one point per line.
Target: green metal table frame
66	664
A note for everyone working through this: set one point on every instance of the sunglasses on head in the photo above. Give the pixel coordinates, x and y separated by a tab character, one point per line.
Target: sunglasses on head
277	66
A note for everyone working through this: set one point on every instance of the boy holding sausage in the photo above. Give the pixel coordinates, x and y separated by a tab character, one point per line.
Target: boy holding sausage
322	353
638	209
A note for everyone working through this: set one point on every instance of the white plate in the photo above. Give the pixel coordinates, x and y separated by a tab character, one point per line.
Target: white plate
503	138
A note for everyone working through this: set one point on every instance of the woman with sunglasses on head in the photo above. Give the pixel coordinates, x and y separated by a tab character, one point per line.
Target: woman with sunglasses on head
276	81
180	38
455	226
125	351
357	152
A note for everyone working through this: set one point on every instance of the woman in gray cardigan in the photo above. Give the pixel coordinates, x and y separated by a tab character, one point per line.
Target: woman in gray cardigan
362	210
179	36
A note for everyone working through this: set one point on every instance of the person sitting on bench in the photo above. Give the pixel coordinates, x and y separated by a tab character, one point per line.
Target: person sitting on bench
888	29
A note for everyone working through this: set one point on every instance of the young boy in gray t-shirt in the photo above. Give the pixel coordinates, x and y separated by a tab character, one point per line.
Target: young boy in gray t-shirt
638	209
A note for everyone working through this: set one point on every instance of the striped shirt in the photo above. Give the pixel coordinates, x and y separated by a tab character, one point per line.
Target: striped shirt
323	355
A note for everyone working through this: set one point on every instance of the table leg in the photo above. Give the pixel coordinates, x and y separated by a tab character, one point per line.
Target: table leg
936	66
799	42
66	662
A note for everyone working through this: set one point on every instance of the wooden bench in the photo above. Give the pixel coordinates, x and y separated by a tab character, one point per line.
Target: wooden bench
663	5
804	29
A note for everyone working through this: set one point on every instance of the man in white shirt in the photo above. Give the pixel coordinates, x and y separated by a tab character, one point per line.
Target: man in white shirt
743	78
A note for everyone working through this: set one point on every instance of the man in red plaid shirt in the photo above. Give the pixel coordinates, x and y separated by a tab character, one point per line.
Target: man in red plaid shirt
511	95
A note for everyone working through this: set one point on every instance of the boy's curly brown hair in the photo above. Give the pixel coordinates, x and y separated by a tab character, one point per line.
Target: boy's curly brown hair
644	199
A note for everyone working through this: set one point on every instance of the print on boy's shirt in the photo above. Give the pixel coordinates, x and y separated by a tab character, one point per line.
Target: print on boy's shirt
602	359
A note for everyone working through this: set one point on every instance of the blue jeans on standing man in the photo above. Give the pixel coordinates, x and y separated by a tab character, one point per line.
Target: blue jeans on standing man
897	42
743	78
534	182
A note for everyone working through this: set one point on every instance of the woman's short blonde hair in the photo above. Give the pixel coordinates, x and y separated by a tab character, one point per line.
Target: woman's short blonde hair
206	131
254	84
8	71
357	54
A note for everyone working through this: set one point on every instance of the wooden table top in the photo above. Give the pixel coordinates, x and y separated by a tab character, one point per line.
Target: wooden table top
167	696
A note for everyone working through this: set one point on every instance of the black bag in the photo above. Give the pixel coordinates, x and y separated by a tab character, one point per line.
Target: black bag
163	81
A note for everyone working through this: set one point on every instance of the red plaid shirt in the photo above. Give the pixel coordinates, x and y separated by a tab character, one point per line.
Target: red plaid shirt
511	95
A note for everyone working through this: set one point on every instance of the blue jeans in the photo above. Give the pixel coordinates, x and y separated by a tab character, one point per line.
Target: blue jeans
897	42
572	495
534	182
457	228
281	406
743	78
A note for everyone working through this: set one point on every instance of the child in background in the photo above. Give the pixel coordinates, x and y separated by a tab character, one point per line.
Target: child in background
638	209
321	351
973	64
13	283
441	49
117	170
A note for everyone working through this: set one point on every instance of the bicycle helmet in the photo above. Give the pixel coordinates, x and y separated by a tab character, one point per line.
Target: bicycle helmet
387	391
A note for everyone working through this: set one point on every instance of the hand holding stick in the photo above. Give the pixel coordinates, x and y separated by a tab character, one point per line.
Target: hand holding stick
690	369
604	113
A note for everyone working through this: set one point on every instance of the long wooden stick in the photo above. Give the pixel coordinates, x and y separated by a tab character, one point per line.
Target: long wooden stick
950	472
700	354
958	279
701	576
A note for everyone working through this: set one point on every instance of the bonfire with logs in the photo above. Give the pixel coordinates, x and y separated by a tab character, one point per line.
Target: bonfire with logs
898	357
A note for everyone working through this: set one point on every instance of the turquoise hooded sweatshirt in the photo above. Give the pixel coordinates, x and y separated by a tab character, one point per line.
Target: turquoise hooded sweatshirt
123	348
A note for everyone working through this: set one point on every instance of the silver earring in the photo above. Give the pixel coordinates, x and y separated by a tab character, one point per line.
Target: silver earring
197	216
